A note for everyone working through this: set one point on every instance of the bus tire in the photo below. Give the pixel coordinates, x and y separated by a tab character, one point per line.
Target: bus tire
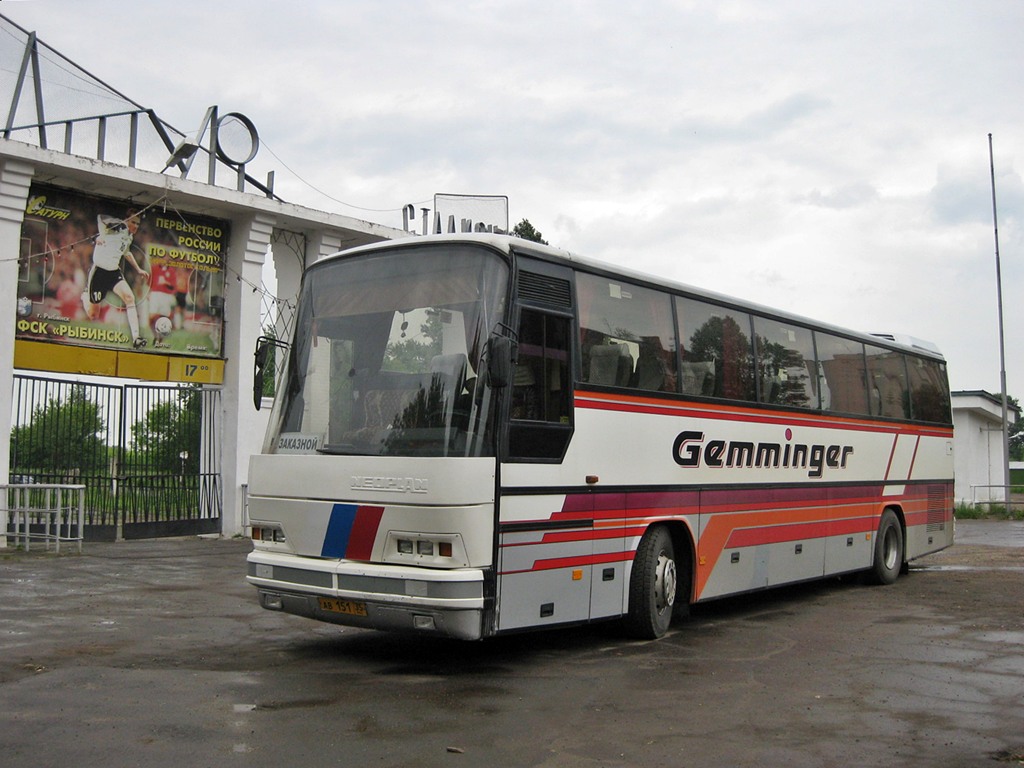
653	585
888	549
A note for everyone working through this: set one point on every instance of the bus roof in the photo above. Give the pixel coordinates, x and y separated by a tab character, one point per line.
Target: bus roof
507	244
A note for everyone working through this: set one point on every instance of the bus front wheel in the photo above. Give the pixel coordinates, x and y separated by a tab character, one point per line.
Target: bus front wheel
888	549
653	585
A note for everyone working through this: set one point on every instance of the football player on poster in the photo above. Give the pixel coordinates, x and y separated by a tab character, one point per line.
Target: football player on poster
113	243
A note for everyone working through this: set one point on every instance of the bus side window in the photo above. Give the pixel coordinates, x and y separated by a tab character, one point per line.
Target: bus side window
888	394
627	338
929	390
718	357
540	393
842	377
785	363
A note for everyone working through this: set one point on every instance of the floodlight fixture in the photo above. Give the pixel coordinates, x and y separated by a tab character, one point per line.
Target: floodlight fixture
186	148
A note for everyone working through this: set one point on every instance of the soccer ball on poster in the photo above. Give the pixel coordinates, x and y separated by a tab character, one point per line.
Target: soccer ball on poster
162	326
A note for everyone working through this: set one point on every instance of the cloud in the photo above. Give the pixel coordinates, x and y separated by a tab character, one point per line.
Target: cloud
826	157
960	196
848	196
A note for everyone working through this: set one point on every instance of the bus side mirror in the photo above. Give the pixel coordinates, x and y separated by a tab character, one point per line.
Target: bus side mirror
259	371
499	361
263	366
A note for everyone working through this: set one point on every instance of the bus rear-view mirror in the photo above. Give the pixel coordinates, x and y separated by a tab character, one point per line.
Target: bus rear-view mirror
499	361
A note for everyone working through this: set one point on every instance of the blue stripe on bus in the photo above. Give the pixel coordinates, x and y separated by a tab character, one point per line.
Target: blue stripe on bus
339	528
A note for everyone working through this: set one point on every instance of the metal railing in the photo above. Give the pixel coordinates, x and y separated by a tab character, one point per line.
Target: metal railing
44	512
997	495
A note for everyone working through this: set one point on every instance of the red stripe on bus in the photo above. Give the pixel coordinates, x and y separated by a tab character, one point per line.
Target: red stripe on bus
735	518
926	517
567	537
892	455
588	535
913	459
364	533
637	404
719	528
574	562
663	500
777	534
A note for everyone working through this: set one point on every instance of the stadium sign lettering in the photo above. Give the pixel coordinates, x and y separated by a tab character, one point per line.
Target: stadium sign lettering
38	206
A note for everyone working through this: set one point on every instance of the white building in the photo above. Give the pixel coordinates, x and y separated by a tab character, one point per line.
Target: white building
978	460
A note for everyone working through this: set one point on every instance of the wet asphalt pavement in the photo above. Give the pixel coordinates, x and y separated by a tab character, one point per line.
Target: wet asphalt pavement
155	653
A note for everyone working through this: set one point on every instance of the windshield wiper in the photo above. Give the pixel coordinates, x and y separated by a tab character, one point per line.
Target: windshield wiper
340	449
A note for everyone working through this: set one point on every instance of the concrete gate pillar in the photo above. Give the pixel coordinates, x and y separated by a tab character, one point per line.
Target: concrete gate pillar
242	304
324	244
15	178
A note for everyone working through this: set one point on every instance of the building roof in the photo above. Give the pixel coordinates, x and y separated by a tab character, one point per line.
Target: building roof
980	400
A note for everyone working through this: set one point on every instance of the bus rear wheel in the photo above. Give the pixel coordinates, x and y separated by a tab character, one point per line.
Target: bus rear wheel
653	585
888	549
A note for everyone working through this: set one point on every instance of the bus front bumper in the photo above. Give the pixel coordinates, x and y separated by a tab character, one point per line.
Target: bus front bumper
374	596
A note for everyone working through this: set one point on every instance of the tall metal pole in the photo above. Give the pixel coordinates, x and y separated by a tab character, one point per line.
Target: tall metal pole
1002	346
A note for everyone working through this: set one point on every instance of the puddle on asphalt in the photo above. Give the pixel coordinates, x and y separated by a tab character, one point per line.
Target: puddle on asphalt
1006	568
1015	638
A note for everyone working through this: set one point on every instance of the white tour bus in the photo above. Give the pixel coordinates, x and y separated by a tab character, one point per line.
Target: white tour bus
476	434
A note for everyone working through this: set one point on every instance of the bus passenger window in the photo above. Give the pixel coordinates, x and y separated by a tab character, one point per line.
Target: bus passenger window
929	390
610	364
718	358
785	363
888	394
626	335
842	379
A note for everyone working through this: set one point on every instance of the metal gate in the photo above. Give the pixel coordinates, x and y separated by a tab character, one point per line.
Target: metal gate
148	455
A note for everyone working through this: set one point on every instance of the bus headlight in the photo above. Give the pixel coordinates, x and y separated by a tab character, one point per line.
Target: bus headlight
268	533
425	549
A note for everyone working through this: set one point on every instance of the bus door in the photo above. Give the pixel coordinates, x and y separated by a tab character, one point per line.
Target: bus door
549	541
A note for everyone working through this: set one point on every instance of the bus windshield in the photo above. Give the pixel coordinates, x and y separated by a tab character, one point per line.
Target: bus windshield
387	355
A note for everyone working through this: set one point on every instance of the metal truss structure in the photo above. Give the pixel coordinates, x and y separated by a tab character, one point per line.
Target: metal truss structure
55	104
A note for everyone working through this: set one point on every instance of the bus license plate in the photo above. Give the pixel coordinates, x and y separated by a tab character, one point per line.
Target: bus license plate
351	607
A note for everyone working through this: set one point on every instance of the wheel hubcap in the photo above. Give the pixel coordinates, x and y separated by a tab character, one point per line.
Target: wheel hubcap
890	548
665	583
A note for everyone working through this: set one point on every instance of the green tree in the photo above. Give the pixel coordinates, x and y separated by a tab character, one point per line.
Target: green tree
413	354
63	437
722	340
793	387
170	431
1016	432
525	230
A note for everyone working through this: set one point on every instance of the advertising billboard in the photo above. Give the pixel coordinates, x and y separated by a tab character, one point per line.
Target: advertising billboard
108	274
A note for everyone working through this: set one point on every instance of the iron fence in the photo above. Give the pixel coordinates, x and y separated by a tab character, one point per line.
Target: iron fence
148	456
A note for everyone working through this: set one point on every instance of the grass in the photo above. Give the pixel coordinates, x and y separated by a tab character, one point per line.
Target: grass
988	512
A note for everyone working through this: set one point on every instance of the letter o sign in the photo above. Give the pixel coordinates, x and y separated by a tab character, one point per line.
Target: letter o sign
237	139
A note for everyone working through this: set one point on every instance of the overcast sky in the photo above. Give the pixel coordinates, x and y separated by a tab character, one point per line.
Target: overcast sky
829	158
